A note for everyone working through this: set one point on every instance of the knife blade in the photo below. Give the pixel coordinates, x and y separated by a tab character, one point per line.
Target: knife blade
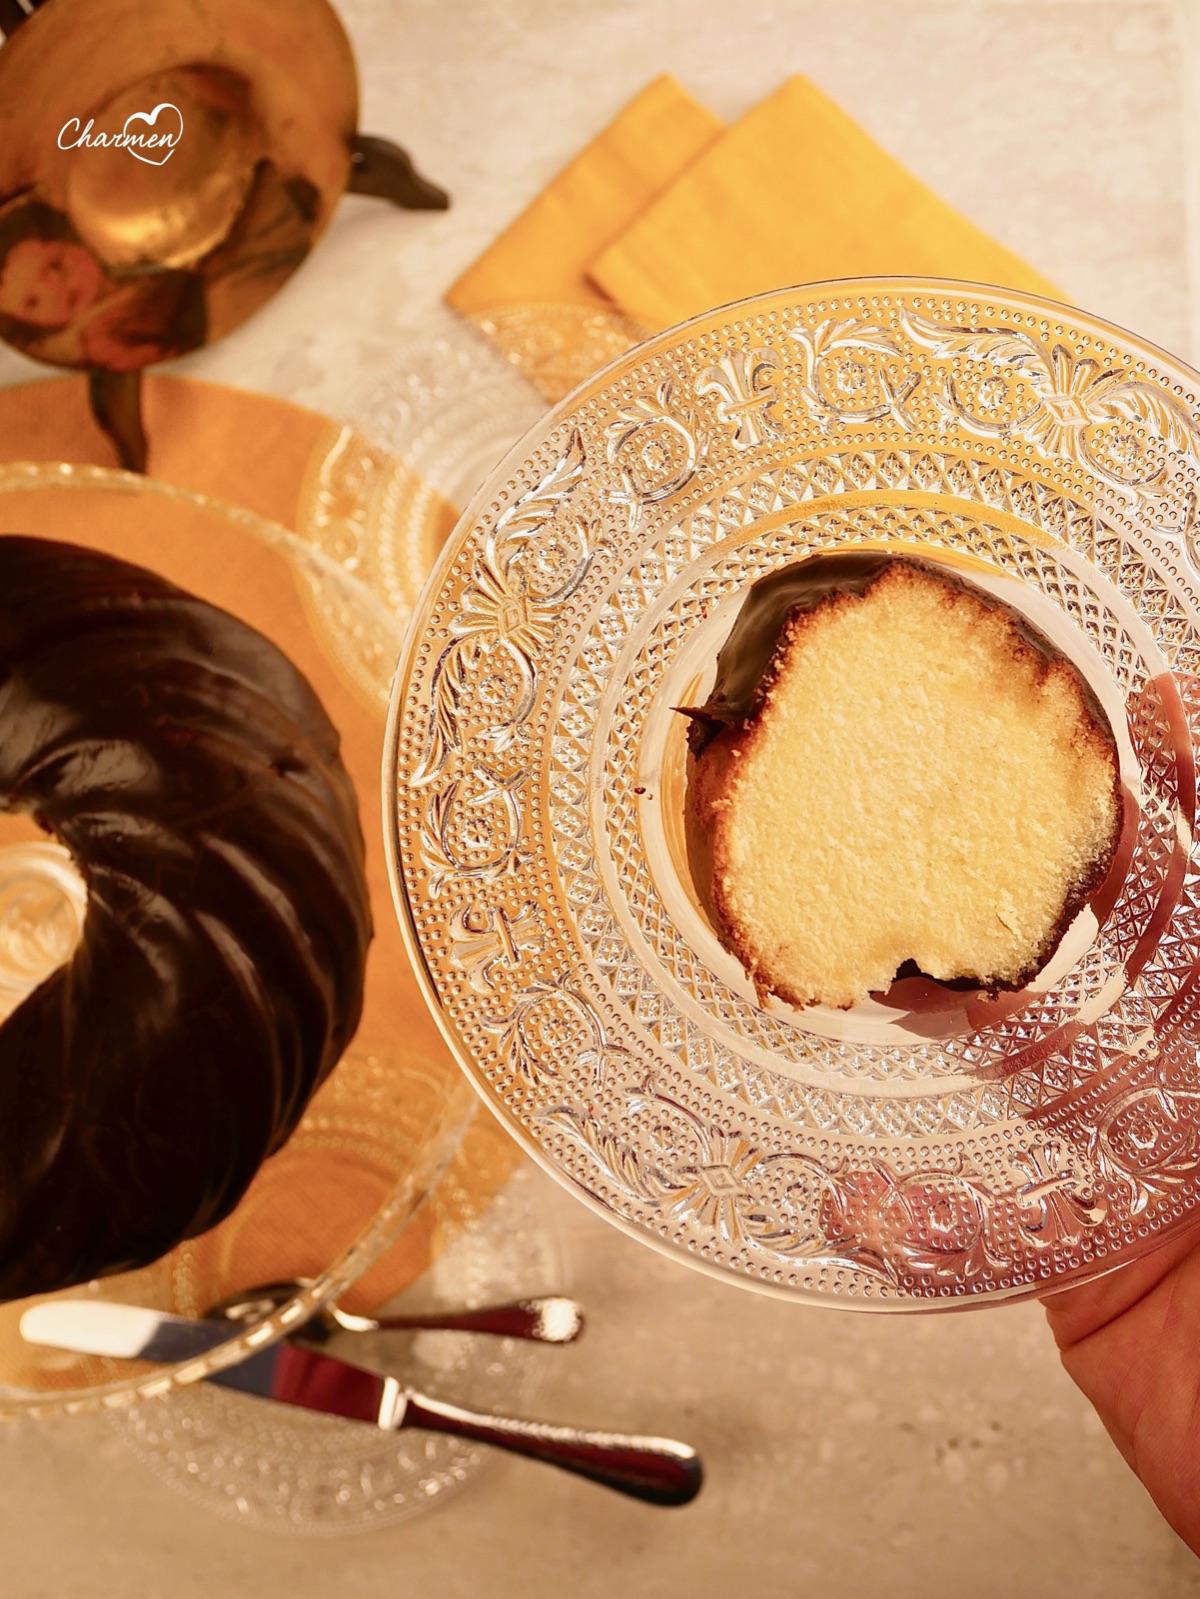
658	1470
131	1332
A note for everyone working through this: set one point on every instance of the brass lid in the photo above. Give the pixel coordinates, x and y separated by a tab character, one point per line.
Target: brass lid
163	169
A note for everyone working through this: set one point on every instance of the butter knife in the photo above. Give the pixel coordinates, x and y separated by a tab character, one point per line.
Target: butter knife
657	1470
159	1335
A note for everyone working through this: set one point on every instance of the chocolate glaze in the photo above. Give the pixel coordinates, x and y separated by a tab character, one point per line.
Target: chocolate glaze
195	778
744	663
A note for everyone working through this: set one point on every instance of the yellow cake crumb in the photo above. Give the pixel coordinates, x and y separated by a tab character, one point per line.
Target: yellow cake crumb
920	783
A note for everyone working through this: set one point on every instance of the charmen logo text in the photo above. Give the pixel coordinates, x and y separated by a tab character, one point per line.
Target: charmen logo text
151	144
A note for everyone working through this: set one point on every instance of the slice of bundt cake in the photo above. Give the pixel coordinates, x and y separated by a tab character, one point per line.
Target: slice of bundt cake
894	768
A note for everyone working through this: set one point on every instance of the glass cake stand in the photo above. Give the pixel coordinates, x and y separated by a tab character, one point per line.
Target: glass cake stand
344	1207
297	1472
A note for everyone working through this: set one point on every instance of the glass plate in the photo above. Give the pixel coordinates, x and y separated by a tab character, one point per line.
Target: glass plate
934	1150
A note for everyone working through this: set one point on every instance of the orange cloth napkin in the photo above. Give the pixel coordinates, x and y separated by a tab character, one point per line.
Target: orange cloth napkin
667	214
319	479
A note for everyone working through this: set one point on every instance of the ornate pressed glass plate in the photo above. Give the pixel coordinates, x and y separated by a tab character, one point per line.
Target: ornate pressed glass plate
927	1148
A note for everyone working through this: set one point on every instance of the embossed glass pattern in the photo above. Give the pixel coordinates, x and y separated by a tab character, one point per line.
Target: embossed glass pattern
886	1157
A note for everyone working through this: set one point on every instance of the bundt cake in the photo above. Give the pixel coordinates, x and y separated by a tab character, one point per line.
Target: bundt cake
195	779
894	773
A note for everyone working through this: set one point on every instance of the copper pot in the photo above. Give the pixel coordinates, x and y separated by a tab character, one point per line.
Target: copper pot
165	165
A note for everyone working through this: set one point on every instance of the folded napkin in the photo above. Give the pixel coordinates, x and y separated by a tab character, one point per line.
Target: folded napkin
350	499
667	213
530	292
795	192
545	254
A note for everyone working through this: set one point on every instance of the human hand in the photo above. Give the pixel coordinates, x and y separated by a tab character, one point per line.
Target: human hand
1131	1343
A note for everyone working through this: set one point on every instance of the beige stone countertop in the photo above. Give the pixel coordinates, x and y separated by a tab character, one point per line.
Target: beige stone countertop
848	1456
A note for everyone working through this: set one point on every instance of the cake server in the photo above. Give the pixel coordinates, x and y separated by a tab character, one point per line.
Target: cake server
551	1319
660	1471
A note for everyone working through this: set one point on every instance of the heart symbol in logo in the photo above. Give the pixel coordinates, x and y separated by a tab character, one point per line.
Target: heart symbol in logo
169	131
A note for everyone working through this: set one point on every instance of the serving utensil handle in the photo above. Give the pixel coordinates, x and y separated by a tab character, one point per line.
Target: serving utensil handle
657	1470
547	1321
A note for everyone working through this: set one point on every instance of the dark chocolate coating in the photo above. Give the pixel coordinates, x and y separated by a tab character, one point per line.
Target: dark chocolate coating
745	659
742	663
194	776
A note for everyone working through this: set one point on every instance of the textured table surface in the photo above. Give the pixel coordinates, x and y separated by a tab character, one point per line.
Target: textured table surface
847	1455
